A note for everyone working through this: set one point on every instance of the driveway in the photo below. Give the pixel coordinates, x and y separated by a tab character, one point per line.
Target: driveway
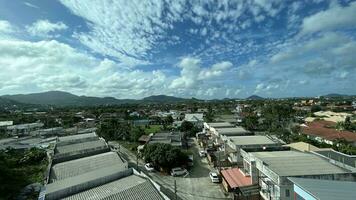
195	186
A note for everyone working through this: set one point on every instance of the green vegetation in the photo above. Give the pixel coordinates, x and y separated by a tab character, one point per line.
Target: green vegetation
153	129
164	156
20	168
189	129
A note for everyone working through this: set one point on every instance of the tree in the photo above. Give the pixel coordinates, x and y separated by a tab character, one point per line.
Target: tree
250	122
189	129
164	156
315	108
169	120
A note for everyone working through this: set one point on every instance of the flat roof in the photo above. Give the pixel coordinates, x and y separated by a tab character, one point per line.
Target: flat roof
327	189
254	140
232	131
293	163
80	146
83	165
220	124
6	123
129	188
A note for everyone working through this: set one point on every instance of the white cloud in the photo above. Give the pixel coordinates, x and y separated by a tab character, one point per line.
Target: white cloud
334	18
6	27
192	74
45	28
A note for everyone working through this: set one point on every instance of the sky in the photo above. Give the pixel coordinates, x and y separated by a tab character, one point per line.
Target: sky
186	48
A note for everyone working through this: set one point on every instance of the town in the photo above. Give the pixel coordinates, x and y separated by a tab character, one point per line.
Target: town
252	148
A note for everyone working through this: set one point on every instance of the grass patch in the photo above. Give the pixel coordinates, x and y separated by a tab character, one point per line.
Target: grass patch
153	129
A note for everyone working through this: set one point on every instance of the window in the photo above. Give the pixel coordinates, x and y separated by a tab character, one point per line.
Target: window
287	193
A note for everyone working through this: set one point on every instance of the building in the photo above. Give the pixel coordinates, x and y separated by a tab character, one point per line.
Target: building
72	139
172	138
324	131
84	165
302	146
314	189
338	158
195	118
228	132
272	170
235	144
68	152
131	187
213	125
4	125
23	129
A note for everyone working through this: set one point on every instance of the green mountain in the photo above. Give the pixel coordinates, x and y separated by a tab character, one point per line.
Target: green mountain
254	97
59	98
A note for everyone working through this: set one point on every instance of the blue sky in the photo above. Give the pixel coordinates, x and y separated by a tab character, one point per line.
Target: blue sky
187	48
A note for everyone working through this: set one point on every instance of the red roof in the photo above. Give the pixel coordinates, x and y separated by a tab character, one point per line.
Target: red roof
326	130
235	178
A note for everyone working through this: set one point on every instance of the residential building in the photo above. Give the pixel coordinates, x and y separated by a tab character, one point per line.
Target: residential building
315	189
195	118
234	145
324	131
172	138
271	171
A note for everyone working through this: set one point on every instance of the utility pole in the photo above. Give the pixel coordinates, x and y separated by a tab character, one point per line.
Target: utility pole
175	190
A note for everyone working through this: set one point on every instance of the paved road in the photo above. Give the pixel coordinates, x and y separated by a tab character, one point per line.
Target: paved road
197	185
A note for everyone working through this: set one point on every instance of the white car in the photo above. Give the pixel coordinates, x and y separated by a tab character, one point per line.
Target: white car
149	167
202	153
178	171
214	177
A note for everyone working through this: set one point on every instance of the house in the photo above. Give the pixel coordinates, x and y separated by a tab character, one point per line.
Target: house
233	131
315	189
172	138
195	118
271	171
233	180
324	131
4	125
234	145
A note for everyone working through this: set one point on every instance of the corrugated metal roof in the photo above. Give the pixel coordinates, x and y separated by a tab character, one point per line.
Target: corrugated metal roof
128	188
83	165
77	137
220	124
327	189
292	163
235	178
80	146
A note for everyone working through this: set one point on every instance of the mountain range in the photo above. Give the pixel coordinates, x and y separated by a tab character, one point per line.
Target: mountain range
59	98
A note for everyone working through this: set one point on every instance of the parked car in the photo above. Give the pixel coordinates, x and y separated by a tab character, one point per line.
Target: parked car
178	171
202	153
149	167
215	178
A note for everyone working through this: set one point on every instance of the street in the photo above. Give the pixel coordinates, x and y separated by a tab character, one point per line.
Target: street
196	185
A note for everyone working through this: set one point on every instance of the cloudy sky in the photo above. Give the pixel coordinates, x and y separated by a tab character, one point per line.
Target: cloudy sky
186	48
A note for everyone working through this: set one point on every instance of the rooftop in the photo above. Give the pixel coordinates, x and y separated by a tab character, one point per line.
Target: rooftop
129	188
254	140
83	165
77	137
327	189
232	131
220	125
235	178
293	163
72	148
326	130
194	117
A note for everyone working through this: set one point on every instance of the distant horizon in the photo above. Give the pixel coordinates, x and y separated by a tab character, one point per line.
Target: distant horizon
1	95
205	49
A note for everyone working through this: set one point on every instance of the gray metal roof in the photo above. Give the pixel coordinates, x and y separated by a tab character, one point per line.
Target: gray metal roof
253	140
327	189
337	156
232	131
72	148
128	188
72	182
292	163
77	137
220	124
83	165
